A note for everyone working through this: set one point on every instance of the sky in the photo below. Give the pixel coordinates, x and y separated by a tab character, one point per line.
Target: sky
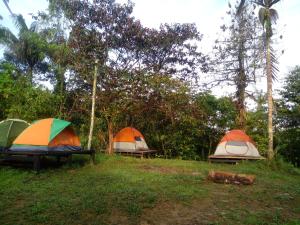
206	14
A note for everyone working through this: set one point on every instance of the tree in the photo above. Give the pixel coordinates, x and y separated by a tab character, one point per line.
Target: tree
19	99
268	16
52	27
128	54
217	115
172	50
27	50
236	57
101	35
288	119
93	105
257	122
7	71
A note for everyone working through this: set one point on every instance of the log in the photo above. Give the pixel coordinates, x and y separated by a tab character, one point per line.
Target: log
230	178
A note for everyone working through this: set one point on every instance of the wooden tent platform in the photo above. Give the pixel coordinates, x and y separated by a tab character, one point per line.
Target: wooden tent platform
37	155
232	158
137	153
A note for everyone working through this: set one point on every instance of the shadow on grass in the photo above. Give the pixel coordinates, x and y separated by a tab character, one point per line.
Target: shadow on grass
46	162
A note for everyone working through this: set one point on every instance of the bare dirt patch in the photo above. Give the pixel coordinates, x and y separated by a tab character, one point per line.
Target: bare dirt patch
20	203
199	212
118	217
169	170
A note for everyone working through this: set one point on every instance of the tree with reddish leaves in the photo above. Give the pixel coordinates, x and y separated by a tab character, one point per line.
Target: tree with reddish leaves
128	53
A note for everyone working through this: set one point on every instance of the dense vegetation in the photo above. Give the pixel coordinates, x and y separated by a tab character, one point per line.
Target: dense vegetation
147	78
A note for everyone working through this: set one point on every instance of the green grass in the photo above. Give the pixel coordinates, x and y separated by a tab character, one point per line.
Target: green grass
121	190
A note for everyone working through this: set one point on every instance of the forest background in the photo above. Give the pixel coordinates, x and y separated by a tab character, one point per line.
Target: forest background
149	78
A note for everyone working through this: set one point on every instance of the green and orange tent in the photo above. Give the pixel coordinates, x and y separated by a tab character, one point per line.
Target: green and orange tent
47	135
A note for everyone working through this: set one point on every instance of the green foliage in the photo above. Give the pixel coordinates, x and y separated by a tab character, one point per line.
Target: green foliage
19	99
188	132
34	103
288	121
256	125
27	50
279	164
6	84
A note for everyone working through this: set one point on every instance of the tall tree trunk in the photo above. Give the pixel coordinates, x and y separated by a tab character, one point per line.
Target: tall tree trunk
241	108
110	137
270	99
241	79
93	105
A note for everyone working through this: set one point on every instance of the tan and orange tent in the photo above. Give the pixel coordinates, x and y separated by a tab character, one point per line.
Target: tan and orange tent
237	143
129	139
47	135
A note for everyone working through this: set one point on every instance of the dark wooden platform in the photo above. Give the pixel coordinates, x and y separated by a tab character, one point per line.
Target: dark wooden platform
232	158
36	155
137	153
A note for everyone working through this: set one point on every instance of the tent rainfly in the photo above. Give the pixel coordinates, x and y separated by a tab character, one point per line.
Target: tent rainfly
10	130
237	143
47	135
129	139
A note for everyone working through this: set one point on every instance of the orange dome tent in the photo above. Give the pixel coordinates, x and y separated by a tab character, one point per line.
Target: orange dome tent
129	139
236	143
47	135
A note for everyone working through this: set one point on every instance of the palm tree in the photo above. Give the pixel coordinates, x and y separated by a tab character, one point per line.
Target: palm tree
268	16
27	49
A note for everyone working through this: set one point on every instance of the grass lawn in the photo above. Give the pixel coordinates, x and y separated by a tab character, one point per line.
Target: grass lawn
123	190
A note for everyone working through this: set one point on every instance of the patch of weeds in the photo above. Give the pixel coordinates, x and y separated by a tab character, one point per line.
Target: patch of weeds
101	209
297	210
279	164
263	218
184	192
39	207
134	209
183	178
284	197
293	222
252	220
277	218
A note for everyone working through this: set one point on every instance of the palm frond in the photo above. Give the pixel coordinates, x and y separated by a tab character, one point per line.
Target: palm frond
262	15
7	37
274	15
267	2
20	23
34	26
259	2
273	2
240	7
7	6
